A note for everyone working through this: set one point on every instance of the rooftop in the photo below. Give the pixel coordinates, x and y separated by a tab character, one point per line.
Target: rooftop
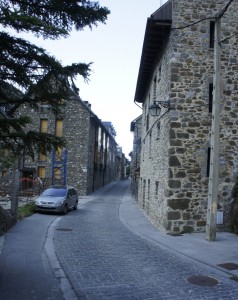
157	30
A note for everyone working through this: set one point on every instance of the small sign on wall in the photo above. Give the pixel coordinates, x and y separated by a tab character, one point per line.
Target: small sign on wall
220	214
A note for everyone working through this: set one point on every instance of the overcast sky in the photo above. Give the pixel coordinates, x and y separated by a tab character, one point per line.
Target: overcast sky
115	50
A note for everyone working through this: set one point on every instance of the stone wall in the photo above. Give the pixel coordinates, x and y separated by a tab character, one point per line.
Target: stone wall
174	166
76	132
101	171
154	148
135	156
80	127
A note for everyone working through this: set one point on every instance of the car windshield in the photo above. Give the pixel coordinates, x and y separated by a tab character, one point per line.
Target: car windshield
55	192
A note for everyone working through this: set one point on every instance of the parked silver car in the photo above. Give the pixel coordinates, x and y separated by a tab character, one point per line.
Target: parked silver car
57	199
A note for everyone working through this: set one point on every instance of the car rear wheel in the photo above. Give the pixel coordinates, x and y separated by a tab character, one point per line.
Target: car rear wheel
65	209
75	206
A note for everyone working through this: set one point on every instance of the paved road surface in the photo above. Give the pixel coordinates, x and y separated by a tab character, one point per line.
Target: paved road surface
104	260
100	257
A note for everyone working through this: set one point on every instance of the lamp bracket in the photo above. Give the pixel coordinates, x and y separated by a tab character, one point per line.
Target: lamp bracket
155	108
165	104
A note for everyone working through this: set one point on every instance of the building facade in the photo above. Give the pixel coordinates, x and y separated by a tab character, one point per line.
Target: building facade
135	155
88	162
176	71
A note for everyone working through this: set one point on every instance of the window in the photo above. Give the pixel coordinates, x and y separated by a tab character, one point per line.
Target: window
144	187
41	172
144	112
212	34
156	188
96	146
59	128
57	173
147	122
143	193
43	129
44	107
150	144
158	130
208	161
55	192
99	158
148	191
72	192
43	125
154	88
4	173
5	152
159	74
210	97
42	157
58	154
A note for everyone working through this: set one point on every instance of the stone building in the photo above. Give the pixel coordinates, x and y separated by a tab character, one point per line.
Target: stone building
135	155
89	160
121	164
176	73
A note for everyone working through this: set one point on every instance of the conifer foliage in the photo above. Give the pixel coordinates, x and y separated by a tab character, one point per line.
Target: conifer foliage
28	74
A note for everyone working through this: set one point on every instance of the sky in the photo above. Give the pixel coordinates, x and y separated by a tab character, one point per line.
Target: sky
115	50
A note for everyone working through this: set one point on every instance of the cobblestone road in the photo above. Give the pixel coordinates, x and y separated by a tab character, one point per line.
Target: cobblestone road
104	260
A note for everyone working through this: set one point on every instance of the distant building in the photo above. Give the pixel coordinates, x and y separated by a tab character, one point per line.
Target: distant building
110	128
89	160
135	155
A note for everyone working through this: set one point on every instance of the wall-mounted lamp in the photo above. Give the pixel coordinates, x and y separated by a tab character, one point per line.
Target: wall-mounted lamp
155	108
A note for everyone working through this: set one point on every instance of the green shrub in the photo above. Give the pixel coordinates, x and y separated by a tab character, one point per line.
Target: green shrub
234	277
26	210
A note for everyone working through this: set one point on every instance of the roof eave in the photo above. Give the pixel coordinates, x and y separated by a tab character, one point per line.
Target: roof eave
157	31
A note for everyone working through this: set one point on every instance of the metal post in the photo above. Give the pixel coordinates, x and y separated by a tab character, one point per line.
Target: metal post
14	191
215	136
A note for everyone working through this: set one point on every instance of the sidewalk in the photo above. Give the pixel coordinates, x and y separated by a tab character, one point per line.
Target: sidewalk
25	272
193	245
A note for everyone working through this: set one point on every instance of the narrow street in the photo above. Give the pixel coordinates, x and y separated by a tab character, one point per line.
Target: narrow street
105	260
92	253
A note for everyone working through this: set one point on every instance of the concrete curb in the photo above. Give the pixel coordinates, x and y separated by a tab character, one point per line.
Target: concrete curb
65	285
2	239
58	271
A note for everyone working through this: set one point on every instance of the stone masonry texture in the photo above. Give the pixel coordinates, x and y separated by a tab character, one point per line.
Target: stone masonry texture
175	146
91	149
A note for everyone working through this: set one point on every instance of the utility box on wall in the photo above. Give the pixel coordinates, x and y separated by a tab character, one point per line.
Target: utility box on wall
220	214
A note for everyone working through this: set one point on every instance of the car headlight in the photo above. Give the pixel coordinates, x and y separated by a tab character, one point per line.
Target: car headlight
59	203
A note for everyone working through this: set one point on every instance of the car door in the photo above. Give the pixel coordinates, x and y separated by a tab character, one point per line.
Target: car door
70	198
74	197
